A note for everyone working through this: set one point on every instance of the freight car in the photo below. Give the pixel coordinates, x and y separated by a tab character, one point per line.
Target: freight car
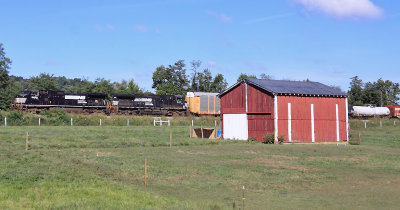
368	111
394	110
36	101
203	103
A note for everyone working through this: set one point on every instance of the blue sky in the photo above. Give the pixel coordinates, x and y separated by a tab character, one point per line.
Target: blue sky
325	41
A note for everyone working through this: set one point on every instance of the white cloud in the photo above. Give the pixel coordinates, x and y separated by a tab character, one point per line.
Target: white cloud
344	8
141	28
221	17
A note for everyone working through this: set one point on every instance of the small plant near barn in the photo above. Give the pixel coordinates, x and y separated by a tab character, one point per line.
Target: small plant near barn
280	139
251	140
269	138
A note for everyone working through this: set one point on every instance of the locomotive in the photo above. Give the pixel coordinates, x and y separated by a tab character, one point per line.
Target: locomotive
36	101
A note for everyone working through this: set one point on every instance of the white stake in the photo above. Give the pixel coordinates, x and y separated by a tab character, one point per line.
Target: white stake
168	123
5	121
365	125
154	122
380	122
394	122
100	122
39	121
192	123
127	122
71	122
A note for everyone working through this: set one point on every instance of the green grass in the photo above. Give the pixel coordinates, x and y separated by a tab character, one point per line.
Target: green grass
194	173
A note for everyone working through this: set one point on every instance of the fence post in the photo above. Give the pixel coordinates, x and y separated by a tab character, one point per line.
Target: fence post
127	122
192	123
71	122
100	122
39	121
154	122
394	122
145	173
365	125
380	123
170	139
26	143
168	123
5	121
160	122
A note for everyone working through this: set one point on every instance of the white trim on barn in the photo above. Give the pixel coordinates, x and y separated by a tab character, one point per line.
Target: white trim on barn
347	121
290	122
276	117
235	126
312	124
337	123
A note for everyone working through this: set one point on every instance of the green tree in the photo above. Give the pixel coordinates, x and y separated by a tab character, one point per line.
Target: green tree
44	81
243	76
205	81
171	80
129	87
265	76
381	92
219	83
5	82
356	92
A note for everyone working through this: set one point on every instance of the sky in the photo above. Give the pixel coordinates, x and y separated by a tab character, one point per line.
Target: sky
327	41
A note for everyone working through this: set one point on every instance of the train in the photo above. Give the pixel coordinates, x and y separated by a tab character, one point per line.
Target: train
372	111
36	101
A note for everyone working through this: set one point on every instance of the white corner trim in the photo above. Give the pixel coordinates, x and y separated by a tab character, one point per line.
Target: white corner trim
312	123
276	117
245	85
290	122
347	121
337	123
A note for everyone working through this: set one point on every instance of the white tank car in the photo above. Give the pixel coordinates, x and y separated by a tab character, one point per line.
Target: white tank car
369	111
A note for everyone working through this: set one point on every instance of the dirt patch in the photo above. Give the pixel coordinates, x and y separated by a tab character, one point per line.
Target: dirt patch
193	153
97	153
279	164
250	152
344	159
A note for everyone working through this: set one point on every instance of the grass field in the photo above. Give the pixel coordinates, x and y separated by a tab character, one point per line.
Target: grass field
72	167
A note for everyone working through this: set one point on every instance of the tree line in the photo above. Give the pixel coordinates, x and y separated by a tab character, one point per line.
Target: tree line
378	93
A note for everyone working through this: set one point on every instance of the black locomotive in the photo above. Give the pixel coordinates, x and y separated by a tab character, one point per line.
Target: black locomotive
38	100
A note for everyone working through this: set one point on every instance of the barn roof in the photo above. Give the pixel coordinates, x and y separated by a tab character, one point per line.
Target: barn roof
285	87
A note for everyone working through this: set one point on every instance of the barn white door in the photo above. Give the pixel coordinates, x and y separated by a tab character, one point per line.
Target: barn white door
235	126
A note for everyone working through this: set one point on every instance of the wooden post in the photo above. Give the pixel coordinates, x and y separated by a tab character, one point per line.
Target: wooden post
201	132
145	173
170	139
215	130
365	125
380	123
190	131
359	138
394	122
127	122
26	142
103	136
192	123
243	198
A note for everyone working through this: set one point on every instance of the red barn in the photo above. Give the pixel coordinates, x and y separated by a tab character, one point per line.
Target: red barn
296	111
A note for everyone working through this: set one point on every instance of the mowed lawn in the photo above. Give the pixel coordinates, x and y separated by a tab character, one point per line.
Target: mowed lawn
72	167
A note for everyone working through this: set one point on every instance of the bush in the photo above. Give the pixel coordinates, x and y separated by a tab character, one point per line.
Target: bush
280	139
269	138
251	140
15	118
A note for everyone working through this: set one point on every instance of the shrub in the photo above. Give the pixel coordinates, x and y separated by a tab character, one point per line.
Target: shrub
15	118
280	139
251	140
269	138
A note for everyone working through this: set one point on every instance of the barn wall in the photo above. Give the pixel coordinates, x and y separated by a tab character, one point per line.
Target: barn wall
324	118
259	101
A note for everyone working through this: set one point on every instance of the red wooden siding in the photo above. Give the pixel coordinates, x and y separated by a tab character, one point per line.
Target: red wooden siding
259	101
234	101
324	118
259	125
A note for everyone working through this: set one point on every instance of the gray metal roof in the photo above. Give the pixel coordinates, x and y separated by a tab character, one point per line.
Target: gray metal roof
282	87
